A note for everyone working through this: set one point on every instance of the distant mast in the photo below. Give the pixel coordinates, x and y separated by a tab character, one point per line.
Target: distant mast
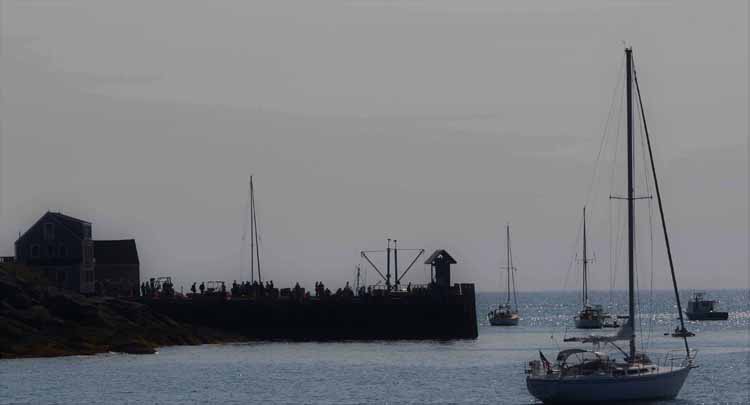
507	246
254	248
585	263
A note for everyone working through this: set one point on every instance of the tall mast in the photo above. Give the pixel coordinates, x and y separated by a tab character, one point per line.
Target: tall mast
252	235
631	206
585	262
507	244
254	229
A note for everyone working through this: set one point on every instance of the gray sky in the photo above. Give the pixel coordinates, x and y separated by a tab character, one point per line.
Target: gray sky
433	122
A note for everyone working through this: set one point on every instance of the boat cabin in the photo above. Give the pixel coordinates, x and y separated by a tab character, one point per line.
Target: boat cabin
699	304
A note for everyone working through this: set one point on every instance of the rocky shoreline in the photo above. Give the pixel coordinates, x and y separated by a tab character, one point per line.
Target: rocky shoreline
38	320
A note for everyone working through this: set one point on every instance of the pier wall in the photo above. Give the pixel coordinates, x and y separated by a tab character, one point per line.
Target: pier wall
440	315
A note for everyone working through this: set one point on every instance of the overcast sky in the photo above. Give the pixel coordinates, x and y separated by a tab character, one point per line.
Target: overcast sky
432	122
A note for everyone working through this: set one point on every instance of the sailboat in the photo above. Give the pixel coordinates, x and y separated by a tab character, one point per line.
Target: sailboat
590	316
582	375
504	314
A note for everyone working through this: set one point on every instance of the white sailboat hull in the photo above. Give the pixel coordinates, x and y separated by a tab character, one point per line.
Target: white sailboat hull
662	384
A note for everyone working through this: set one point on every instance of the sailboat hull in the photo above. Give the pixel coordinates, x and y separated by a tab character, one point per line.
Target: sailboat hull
663	384
504	321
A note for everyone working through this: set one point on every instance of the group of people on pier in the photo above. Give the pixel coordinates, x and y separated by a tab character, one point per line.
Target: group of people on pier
154	287
322	291
254	289
163	287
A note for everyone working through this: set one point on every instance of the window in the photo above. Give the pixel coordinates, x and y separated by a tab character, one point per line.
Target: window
34	251
87	231
50	251
88	253
49	231
89	276
63	251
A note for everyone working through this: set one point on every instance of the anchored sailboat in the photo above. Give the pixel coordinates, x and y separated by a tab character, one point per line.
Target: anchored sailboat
504	314
580	375
590	316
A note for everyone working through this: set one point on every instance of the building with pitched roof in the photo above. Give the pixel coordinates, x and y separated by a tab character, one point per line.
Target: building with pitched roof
62	248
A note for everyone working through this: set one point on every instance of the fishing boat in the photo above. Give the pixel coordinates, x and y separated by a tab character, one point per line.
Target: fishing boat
591	375
590	316
701	309
505	314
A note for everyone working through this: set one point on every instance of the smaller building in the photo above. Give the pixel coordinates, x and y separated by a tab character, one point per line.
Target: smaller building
117	267
440	263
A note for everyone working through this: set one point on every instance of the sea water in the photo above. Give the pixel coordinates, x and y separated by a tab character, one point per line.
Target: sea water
488	370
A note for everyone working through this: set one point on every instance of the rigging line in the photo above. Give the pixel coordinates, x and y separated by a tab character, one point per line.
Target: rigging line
615	237
661	214
245	226
515	292
574	249
620	238
502	288
252	234
618	141
512	274
255	229
604	138
638	298
618	235
650	229
639	245
651	286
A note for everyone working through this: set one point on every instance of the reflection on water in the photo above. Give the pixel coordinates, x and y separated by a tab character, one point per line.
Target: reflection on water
488	370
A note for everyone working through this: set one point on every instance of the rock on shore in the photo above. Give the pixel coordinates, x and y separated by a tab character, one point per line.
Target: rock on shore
37	320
